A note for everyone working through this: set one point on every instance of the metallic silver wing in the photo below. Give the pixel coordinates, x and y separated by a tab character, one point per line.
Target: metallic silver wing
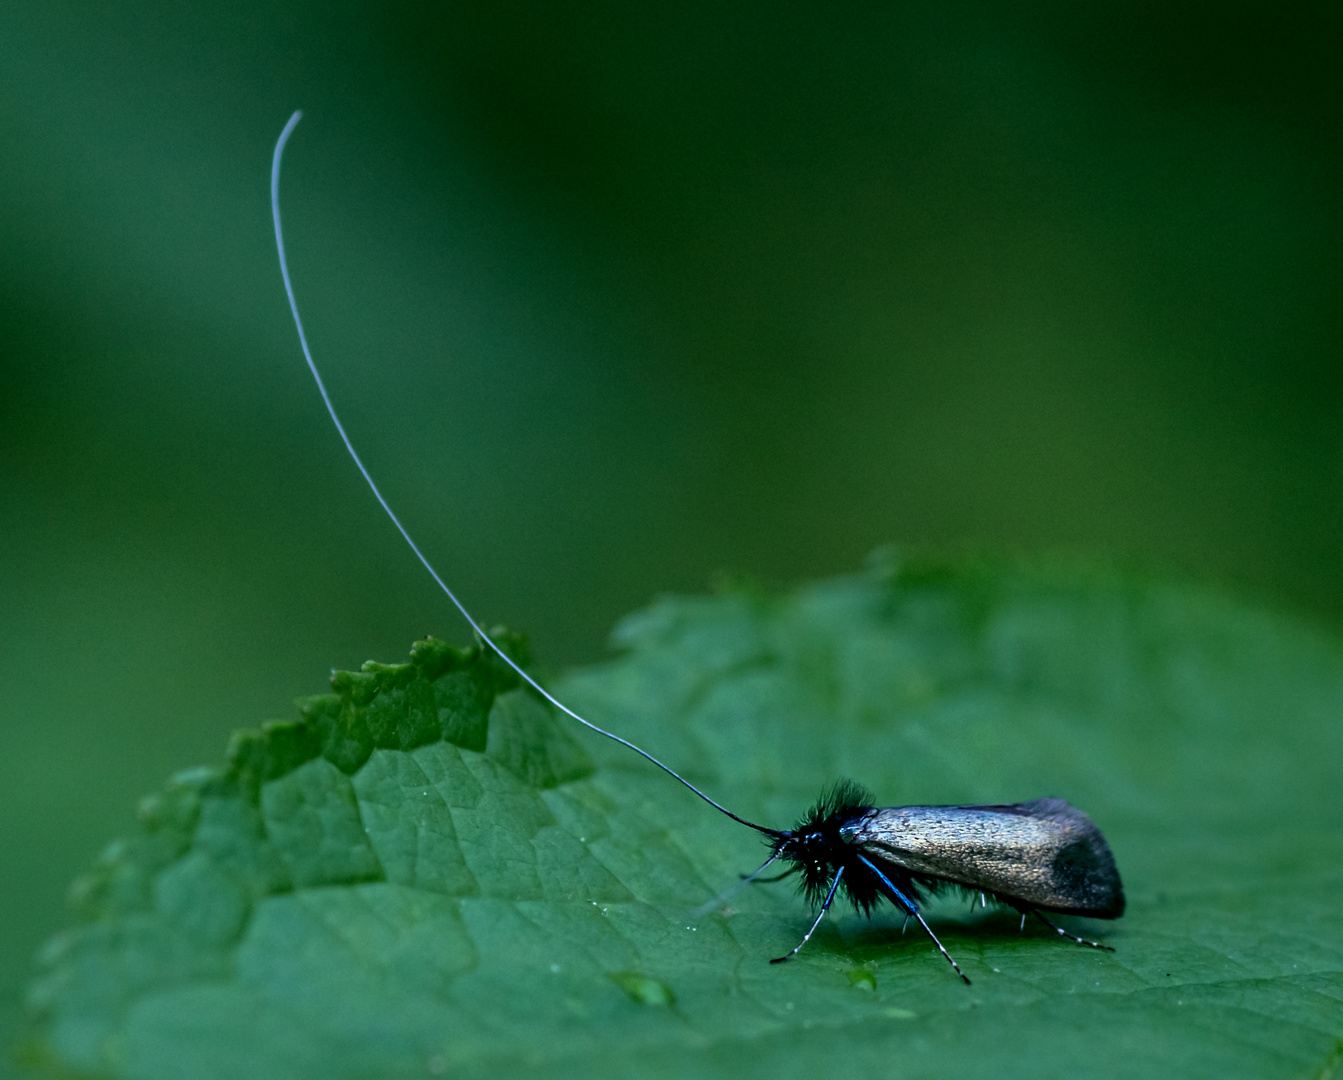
1045	853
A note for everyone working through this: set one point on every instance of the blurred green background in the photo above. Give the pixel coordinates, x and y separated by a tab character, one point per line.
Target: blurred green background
616	298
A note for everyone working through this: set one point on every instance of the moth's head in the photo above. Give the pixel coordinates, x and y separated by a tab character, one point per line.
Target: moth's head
812	852
816	844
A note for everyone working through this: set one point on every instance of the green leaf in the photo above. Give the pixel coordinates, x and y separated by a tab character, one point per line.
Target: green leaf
432	873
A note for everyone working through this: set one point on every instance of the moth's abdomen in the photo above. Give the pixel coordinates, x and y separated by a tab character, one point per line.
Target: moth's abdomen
1045	853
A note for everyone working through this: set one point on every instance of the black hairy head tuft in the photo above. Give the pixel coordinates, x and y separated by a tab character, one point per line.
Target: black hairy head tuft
843	799
818	847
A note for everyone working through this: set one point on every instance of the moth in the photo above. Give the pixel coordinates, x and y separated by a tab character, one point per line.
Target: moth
1038	856
1035	856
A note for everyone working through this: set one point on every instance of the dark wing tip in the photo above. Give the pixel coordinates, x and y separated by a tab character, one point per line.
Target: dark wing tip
1084	868
1116	908
1086	861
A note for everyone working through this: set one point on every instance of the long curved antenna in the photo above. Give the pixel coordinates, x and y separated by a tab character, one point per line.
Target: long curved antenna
340	428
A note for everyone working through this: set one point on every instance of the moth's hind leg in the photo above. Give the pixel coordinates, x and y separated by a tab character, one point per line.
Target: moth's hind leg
1059	930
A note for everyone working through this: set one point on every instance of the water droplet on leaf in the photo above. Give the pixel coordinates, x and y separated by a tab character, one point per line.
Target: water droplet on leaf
643	989
862	980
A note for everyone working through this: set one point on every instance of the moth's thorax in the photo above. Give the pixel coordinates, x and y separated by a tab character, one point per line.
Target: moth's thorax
850	832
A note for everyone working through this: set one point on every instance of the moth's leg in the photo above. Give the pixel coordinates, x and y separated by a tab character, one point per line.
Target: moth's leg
732	890
770	880
1064	933
911	910
829	899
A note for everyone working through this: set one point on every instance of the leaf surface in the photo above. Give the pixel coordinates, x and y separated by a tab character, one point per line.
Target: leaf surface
431	873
